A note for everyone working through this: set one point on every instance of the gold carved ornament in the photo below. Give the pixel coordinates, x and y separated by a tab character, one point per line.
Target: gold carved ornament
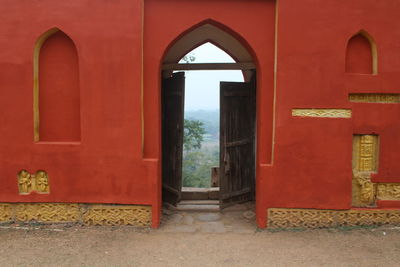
38	182
313	218
88	214
375	98
365	163
321	113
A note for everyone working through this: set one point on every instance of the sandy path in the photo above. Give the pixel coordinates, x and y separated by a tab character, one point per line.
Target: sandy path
128	246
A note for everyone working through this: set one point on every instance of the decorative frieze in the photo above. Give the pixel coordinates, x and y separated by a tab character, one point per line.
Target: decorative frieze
388	191
314	218
88	214
322	113
5	212
375	98
47	212
117	215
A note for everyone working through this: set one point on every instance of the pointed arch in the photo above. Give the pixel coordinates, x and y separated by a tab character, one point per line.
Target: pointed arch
361	54
215	33
56	89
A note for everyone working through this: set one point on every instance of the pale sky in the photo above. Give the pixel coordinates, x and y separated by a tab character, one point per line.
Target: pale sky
202	87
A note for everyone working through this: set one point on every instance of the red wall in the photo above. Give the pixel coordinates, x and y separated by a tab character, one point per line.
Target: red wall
107	165
120	46
313	156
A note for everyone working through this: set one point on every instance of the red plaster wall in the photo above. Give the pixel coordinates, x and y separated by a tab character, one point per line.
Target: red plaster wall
313	156
113	163
59	94
107	166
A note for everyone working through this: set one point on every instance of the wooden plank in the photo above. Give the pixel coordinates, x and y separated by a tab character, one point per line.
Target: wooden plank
237	134
209	66
173	93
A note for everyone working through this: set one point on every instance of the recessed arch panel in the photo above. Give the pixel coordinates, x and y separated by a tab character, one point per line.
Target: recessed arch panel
56	88
361	54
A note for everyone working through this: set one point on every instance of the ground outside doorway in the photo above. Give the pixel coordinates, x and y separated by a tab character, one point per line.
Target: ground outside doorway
193	216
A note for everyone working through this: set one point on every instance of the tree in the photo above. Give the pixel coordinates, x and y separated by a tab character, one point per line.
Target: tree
188	58
193	134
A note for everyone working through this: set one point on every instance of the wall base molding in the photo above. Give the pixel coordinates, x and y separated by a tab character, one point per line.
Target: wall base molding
88	214
280	218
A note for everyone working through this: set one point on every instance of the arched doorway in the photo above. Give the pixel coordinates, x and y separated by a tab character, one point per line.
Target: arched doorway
237	116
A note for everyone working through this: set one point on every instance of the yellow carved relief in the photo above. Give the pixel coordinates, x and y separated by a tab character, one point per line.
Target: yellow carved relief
388	191
117	215
313	218
47	212
89	214
24	182
5	213
375	98
365	162
28	183
322	113
41	182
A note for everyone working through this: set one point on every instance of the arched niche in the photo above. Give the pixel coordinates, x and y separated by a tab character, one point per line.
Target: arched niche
361	54
208	31
56	88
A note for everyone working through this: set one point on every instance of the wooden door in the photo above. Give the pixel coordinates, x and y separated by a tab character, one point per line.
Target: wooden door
173	95
237	143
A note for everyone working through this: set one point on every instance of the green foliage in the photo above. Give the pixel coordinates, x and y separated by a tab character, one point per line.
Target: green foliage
210	120
193	134
200	155
197	166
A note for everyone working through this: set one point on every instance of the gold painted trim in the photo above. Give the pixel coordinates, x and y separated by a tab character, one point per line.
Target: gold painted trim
322	113
275	80
375	98
36	55
280	218
88	214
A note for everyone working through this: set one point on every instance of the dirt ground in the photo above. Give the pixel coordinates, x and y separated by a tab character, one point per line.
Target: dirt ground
177	244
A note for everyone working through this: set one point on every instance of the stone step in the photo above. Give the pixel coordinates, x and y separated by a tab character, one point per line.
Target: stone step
198	207
199	202
195	193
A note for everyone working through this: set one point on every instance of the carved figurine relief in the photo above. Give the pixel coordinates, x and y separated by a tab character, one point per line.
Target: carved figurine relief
42	182
24	182
28	183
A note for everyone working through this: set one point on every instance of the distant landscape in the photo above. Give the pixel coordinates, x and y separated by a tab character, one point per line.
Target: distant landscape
197	163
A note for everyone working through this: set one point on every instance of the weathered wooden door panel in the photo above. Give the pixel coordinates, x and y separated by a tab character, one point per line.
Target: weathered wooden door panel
237	144
173	95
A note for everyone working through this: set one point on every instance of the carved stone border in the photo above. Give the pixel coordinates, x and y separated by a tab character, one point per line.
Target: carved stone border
280	218
88	214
